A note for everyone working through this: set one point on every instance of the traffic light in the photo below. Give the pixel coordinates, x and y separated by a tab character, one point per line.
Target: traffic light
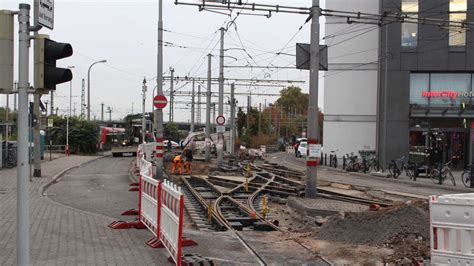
6	51
47	75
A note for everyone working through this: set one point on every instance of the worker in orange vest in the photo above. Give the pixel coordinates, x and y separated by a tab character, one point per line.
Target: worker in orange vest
188	154
177	164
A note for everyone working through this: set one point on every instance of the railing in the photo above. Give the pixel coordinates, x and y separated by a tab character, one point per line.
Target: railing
55	148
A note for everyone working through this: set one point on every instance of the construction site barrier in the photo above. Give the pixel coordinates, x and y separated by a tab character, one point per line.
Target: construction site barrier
160	210
290	150
452	229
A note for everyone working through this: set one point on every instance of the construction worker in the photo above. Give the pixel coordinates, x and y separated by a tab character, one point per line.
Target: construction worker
177	164
188	155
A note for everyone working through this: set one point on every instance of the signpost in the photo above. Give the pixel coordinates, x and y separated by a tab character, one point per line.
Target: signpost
220	120
45	13
160	101
220	129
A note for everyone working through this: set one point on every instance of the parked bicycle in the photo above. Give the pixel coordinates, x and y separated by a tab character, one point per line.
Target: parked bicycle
466	177
397	166
353	164
10	161
441	172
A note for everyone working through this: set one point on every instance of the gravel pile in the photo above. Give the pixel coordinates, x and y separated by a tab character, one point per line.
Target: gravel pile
377	228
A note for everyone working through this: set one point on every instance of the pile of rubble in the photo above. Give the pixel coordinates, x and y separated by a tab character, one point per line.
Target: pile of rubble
403	228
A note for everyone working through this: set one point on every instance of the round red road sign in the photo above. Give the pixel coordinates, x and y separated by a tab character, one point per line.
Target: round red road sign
160	101
220	120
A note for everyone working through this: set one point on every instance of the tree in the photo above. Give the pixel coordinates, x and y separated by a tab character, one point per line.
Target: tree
292	100
171	132
83	134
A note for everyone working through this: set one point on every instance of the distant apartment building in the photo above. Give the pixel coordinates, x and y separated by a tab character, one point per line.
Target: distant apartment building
389	85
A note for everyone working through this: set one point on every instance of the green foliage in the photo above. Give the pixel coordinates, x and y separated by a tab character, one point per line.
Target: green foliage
293	100
83	134
12	116
171	131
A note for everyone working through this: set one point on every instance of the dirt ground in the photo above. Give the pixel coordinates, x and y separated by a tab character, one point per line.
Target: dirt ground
394	235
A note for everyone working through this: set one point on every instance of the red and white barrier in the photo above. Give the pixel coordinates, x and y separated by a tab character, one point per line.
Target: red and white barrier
161	211
171	219
452	229
290	150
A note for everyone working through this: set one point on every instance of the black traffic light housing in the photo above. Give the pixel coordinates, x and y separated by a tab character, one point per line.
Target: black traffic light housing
47	75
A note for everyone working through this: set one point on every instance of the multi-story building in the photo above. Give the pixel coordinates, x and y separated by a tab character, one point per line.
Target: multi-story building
419	77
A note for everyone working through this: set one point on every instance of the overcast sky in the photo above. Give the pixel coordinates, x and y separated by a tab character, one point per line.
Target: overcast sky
125	34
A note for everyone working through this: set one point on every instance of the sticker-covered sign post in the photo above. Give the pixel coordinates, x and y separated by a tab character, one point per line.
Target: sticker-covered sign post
160	102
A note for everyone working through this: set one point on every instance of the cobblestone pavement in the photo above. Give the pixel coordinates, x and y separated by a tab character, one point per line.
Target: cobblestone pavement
61	235
403	185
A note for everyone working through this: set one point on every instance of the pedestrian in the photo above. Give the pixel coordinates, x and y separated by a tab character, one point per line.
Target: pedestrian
177	164
188	155
296	146
169	145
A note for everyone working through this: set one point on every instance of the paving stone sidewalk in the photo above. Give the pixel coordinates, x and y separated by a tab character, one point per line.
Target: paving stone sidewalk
60	235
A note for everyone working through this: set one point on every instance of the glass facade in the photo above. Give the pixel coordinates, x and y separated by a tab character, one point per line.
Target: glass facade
410	30
440	89
457	12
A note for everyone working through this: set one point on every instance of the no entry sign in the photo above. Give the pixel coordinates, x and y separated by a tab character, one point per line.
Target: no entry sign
160	101
220	120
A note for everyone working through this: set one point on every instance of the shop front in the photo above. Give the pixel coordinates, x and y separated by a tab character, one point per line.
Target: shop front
440	117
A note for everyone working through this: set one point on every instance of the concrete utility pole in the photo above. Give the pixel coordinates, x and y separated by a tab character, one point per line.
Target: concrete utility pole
102	112
143	110
232	118
220	136
158	113
172	96
23	204
192	110
249	107
313	123
199	106
208	109
259	119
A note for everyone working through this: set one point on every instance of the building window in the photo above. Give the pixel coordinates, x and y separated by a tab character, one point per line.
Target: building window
457	12
410	30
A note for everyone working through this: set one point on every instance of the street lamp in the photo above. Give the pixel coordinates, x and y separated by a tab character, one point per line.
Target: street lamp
68	152
89	89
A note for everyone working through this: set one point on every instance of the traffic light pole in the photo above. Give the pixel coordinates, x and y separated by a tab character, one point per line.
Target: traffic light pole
36	112
23	201
158	114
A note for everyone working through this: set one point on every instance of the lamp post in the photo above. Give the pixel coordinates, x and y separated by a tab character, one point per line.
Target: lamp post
68	152
89	89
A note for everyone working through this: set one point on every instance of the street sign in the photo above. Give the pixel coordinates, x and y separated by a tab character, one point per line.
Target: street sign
220	120
220	129
160	101
50	122
45	13
303	56
314	150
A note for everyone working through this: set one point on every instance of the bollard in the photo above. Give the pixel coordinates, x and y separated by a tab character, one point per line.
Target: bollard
344	162
209	212
471	177
264	207
325	159
440	176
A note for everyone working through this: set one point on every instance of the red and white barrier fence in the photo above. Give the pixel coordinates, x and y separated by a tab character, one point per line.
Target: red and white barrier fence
161	211
452	229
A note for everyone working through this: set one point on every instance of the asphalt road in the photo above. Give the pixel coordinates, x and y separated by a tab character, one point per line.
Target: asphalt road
99	187
422	187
